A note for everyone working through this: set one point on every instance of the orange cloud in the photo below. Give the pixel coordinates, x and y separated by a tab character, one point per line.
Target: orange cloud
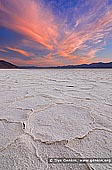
97	32
19	51
49	60
2	50
30	19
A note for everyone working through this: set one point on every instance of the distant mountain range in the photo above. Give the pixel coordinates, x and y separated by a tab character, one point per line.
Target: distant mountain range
92	65
7	65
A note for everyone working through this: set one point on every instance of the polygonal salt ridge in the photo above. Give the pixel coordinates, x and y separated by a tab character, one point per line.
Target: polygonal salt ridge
59	149
58	118
9	131
15	114
33	102
21	154
42	151
95	144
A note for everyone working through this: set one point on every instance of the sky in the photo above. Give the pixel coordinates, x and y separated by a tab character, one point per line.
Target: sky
55	32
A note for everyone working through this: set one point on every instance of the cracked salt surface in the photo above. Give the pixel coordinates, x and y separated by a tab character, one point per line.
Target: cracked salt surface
55	113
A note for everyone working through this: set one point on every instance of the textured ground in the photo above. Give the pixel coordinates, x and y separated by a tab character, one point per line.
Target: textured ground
55	113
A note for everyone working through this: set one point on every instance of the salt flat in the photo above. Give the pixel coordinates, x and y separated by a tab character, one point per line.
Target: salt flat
55	113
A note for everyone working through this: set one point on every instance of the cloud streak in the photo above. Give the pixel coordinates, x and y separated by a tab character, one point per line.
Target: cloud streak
22	52
2	50
91	34
31	19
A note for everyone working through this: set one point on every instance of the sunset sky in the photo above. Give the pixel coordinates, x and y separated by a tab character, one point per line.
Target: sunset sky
55	32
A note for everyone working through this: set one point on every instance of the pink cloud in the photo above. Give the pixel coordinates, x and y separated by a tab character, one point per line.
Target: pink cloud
2	50
19	51
30	19
97	32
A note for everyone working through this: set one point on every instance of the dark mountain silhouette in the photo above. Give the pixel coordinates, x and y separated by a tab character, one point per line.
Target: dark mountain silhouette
92	65
7	65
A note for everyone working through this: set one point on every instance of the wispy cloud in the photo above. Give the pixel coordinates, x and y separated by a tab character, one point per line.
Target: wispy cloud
2	50
31	19
19	51
90	32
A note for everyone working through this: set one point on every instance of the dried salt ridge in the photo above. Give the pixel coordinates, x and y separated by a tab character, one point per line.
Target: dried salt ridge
55	113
